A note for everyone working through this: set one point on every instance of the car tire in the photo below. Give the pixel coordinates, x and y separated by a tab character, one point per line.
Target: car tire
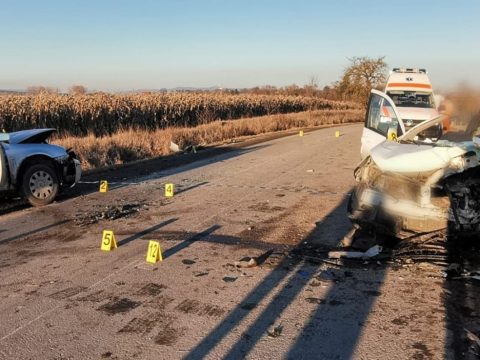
40	184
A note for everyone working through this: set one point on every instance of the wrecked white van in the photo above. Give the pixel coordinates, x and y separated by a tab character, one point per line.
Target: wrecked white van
411	184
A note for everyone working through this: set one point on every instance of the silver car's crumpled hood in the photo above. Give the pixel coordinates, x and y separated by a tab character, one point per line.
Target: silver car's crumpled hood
30	136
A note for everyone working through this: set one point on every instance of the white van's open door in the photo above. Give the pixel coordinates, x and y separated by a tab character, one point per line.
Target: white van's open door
382	115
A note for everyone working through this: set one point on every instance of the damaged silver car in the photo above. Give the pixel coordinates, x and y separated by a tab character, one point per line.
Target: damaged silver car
33	168
408	183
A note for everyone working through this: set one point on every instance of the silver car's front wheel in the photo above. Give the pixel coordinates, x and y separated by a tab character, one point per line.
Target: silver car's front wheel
40	184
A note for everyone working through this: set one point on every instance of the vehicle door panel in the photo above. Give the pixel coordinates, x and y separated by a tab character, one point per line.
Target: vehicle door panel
381	116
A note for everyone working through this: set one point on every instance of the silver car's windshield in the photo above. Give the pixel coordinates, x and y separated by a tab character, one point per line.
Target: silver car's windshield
4	137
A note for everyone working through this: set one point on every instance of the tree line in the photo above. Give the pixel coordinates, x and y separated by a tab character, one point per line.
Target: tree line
360	76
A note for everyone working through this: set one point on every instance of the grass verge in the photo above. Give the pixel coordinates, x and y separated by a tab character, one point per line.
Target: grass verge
131	144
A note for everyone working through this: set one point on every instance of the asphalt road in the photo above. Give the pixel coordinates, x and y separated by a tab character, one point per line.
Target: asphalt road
64	298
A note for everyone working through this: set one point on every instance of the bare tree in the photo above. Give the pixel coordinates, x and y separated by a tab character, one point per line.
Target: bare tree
311	87
362	75
78	89
292	89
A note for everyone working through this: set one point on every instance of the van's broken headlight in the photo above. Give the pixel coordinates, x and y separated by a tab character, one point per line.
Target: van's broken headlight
476	141
457	163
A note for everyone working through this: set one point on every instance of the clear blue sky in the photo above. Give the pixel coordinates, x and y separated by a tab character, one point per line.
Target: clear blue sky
125	45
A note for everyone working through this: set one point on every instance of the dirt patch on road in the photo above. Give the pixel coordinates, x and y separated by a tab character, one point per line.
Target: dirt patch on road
283	228
266	207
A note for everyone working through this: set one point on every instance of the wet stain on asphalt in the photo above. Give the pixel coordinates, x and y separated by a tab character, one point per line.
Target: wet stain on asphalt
196	307
67	293
144	324
160	302
96	296
400	321
151	289
188	262
422	351
168	335
265	207
119	306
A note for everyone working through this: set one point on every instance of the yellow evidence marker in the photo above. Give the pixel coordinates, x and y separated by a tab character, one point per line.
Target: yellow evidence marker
103	186
108	241
392	134
337	133
154	253
300	133
169	190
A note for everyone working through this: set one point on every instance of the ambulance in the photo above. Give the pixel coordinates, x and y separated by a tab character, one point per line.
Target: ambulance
412	93
407	101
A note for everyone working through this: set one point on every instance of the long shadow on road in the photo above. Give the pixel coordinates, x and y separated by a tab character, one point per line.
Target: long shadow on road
31	232
341	320
190	240
136	172
462	300
145	232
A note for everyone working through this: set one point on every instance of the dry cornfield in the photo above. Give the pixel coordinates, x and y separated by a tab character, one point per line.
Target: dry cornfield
130	145
103	114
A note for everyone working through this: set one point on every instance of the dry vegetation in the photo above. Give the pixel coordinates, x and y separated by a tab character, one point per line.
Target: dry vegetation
108	129
130	145
105	114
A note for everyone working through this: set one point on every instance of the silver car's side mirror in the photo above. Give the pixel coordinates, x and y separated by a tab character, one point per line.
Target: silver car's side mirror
4	137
